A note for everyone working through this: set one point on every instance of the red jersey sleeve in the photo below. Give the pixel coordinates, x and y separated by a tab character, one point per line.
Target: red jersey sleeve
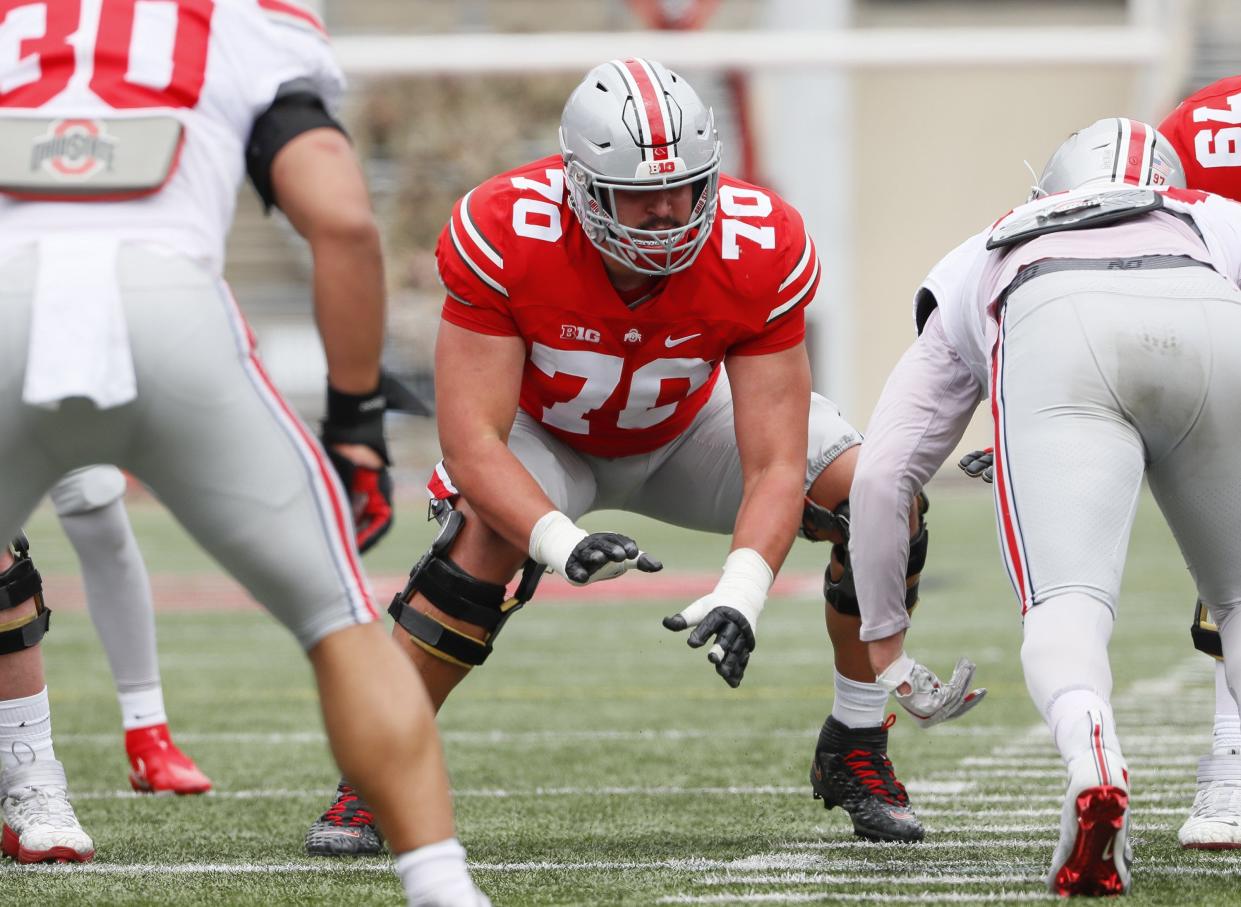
470	259
1205	130
796	275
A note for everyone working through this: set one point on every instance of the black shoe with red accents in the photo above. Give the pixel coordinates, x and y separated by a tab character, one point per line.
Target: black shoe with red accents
346	829
851	770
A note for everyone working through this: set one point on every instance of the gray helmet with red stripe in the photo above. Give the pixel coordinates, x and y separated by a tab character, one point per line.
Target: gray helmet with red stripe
1112	150
634	125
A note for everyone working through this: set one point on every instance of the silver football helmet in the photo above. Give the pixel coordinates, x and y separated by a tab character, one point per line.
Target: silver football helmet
635	126
1112	150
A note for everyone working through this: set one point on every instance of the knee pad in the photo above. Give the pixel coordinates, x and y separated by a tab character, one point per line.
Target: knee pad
18	584
457	593
838	586
817	522
1205	634
84	490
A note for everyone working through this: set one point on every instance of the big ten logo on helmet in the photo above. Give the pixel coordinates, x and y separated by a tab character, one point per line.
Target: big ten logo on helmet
577	332
659	168
73	149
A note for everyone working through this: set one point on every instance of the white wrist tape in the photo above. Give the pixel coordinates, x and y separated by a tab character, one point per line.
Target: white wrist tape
746	581
897	673
553	539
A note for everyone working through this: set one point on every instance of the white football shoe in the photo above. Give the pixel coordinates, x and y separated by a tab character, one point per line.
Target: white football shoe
1214	821
1094	856
39	823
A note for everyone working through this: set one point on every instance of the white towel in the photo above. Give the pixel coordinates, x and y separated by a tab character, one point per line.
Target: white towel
79	341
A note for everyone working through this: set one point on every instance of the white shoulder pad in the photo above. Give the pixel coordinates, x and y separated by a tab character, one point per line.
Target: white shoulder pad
949	279
1072	211
295	14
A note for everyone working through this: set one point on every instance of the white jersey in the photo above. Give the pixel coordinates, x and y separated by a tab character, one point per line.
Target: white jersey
213	65
964	284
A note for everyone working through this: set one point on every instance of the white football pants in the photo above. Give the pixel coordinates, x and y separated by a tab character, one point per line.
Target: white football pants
208	434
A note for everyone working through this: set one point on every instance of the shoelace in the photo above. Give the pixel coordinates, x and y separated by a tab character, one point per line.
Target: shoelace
347	810
51	805
874	770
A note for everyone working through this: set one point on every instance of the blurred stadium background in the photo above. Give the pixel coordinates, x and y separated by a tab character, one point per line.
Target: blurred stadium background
898	127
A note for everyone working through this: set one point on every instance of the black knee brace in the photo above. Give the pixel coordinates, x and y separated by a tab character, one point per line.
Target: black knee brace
1204	632
838	586
458	594
18	584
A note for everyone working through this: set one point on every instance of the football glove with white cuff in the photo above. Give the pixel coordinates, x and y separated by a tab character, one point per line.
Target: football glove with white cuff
929	700
582	557
729	613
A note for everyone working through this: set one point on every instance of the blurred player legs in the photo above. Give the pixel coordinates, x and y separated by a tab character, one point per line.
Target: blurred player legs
89	505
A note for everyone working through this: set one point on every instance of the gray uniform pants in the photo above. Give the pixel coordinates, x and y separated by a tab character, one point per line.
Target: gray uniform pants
208	434
693	481
1099	376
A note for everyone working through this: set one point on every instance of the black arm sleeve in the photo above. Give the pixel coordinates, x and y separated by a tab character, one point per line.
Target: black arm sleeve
297	109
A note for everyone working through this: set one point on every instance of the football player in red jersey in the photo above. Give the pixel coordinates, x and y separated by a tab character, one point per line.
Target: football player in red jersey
1205	129
624	329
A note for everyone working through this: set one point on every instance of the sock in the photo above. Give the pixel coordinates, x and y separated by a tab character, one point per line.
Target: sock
1226	736
1064	657
858	704
25	730
142	708
436	874
118	594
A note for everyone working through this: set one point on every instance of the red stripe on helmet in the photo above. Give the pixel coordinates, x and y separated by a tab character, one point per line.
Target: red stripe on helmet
652	102
1135	152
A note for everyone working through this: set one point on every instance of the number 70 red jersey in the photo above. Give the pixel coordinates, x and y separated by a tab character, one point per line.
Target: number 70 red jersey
609	377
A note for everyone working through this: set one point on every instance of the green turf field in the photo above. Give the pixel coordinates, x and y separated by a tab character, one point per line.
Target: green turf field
598	761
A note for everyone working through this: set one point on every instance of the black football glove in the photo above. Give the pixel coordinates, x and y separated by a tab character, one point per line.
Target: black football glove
359	419
979	464
603	555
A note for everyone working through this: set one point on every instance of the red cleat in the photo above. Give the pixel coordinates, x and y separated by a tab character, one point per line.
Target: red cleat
158	766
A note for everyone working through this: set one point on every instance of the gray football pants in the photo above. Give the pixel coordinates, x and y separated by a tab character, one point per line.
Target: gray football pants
693	481
1099	376
207	433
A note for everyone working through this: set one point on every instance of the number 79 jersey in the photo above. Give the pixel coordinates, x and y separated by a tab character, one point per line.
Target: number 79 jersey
607	377
89	88
1205	130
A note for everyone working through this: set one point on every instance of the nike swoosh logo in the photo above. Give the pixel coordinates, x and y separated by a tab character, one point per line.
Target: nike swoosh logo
1107	851
670	343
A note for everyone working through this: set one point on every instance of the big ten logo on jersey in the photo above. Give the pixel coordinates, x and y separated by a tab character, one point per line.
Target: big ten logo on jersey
743	207
539	218
1219	147
142	54
577	332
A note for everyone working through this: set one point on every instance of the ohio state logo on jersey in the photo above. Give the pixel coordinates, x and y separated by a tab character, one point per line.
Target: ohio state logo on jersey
74	149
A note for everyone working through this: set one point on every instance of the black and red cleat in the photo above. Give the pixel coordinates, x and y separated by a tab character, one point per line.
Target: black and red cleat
851	770
346	829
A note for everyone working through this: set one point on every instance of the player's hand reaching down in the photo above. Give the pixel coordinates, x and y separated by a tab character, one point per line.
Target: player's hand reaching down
924	696
979	464
582	557
729	613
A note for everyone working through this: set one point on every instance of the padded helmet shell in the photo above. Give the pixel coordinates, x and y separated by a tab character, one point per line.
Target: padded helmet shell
1112	150
633	125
